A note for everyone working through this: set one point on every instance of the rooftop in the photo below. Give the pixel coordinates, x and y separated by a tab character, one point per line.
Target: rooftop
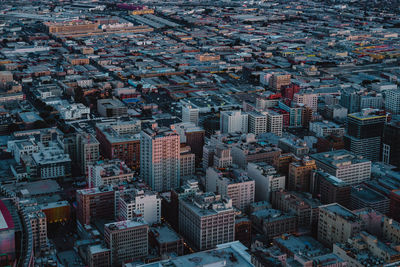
339	158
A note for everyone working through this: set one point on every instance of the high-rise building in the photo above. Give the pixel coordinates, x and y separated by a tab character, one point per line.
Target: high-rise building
356	99
300	174
38	222
392	101
120	140
160	158
277	80
257	122
233	121
190	114
233	183
344	165
206	220
390	143
274	122
266	180
88	151
364	132
127	240
134	203
336	224
98	202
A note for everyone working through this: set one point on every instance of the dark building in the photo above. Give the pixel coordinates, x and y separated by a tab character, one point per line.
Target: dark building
243	231
365	197
329	143
364	132
330	189
391	144
394	210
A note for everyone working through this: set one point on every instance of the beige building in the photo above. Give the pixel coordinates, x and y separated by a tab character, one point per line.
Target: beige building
99	256
336	224
300	174
187	161
206	220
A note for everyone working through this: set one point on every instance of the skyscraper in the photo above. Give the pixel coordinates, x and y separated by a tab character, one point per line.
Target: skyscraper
391	144
160	158
364	132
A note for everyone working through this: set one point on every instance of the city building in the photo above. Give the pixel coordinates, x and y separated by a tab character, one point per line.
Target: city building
364	133
111	108
127	240
336	224
300	174
190	114
108	172
99	256
160	158
232	254
233	183
166	240
294	145
390	145
187	162
365	197
254	151
392	101
52	162
140	203
233	121
326	128
274	122
266	179
307	99
344	165
206	220
120	140
98	202
257	122
329	189
193	136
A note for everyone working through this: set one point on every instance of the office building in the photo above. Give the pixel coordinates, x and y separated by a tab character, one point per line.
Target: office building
257	122
392	101
364	133
278	80
52	162
233	183
37	219
166	240
140	203
190	114
300	174
206	220
254	151
390	144
266	180
160	158
336	224
98	202
344	165
109	172
365	197
294	145
329	189
127	240
274	122
233	121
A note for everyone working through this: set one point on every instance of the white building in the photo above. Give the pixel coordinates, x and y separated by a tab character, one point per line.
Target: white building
392	101
308	99
20	148
325	128
344	165
108	172
233	121
52	162
257	122
274	122
266	180
190	114
74	111
234	184
135	203
160	158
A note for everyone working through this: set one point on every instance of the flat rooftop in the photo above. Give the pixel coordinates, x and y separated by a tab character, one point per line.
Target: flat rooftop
338	158
165	234
340	210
